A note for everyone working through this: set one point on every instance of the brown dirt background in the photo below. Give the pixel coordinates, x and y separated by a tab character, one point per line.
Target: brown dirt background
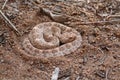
97	59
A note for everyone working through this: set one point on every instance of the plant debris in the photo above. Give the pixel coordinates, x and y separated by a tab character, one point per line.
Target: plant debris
98	21
55	16
12	25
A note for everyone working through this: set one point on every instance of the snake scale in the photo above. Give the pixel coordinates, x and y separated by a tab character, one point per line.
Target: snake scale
50	39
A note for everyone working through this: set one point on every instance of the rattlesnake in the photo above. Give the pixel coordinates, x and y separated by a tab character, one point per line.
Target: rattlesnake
50	39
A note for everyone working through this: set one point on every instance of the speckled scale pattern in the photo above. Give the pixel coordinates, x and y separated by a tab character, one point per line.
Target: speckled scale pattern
44	40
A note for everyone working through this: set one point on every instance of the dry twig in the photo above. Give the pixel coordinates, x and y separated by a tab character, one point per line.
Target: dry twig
4	4
104	56
12	25
107	72
68	78
113	16
100	22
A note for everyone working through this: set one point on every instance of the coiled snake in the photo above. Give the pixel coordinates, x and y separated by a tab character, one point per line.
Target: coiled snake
50	39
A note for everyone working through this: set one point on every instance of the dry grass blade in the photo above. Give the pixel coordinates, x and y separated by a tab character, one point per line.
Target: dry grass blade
113	16
100	22
104	56
107	71
12	25
4	4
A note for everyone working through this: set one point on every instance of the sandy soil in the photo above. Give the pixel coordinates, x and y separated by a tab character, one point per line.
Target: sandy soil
98	58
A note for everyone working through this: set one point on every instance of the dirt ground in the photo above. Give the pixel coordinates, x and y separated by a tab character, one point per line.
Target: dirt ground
98	58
